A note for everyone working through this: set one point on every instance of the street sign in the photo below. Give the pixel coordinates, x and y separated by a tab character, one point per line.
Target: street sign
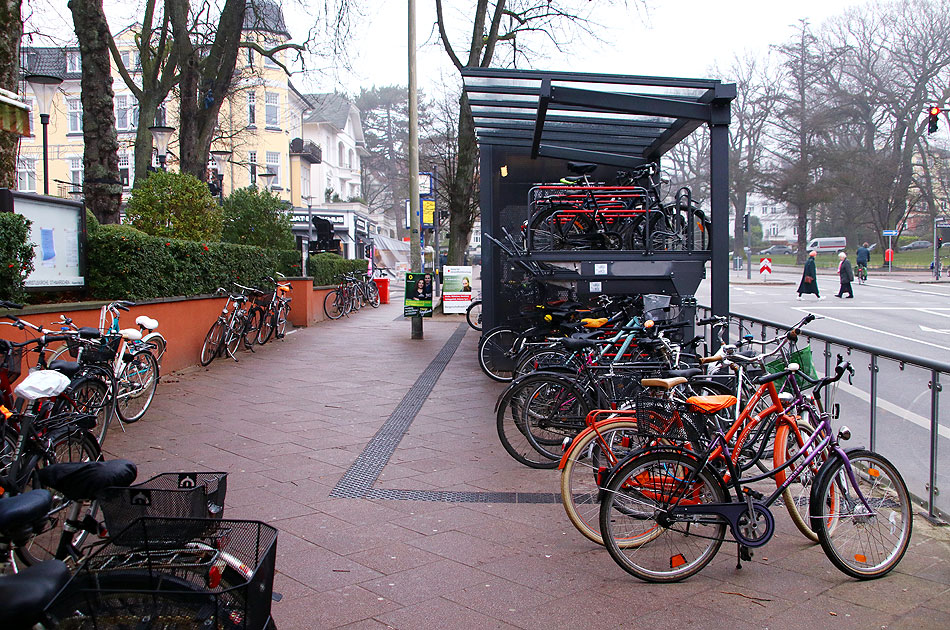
943	225
890	232
765	267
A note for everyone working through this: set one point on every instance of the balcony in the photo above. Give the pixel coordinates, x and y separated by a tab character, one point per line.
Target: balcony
309	151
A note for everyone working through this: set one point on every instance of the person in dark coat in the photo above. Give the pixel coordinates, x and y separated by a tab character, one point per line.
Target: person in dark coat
846	274
809	283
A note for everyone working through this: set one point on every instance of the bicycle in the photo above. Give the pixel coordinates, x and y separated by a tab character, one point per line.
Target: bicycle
276	311
228	330
473	314
862	273
666	508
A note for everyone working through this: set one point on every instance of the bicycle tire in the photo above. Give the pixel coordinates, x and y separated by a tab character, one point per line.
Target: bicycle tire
797	497
212	343
233	335
267	327
643	488
69	445
548	233
372	291
137	385
848	542
521	433
158	346
495	356
89	394
280	321
252	326
473	315
332	305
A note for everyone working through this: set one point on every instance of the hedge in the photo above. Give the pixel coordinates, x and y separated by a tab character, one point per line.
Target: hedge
124	263
16	255
327	268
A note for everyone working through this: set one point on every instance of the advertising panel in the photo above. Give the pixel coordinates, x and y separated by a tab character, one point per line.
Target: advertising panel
58	237
457	291
418	301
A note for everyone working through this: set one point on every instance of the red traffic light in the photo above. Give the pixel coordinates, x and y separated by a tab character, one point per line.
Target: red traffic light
934	110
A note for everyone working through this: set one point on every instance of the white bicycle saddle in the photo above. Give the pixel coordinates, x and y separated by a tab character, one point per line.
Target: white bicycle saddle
146	322
130	334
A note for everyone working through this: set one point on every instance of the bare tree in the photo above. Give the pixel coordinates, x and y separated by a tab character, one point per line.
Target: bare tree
11	29
102	188
502	32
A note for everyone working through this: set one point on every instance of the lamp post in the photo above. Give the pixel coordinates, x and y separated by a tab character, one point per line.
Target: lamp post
161	134
221	157
268	178
44	87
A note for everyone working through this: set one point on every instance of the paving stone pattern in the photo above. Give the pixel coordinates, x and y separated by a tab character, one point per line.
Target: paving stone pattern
424	521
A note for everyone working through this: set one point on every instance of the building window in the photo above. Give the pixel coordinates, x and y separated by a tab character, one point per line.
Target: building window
29	103
339	155
269	60
73	61
159	115
75	171
123	119
349	159
251	109
126	57
26	174
273	165
124	171
252	166
272	113
74	108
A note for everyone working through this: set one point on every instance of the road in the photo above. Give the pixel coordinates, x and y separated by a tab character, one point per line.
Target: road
895	313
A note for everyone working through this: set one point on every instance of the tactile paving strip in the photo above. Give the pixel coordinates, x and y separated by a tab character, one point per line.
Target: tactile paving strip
364	472
448	496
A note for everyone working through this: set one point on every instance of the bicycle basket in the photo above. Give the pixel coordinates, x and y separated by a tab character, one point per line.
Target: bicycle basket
100	351
806	364
12	362
195	495
221	580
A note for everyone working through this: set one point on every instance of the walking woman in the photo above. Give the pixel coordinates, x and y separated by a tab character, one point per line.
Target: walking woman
809	283
846	274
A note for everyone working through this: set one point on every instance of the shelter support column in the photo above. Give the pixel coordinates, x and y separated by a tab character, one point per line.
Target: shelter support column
719	214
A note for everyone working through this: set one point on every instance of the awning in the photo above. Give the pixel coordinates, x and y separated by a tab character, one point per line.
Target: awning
619	120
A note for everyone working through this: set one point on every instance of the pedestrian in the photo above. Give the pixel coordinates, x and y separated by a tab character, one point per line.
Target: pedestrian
846	274
809	283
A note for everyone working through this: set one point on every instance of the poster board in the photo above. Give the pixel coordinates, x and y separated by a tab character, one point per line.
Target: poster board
457	291
58	234
418	299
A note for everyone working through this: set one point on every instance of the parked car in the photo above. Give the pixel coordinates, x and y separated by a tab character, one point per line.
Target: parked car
916	245
777	250
827	244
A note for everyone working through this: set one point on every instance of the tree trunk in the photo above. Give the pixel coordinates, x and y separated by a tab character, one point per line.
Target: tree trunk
460	192
102	187
11	28
143	137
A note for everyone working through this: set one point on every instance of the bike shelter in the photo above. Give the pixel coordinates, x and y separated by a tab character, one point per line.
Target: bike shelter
529	124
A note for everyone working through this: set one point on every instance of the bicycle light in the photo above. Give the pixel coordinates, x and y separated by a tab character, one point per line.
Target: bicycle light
565	443
844	434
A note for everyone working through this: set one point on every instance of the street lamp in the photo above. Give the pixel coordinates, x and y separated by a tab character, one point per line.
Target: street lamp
221	157
268	178
309	201
161	134
44	87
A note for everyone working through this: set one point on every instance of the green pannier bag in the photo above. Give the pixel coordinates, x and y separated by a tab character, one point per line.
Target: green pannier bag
803	358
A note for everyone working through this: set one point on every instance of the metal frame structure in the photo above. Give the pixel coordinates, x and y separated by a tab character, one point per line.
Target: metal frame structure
611	120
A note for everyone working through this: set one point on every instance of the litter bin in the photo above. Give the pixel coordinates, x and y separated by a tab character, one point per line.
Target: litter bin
383	285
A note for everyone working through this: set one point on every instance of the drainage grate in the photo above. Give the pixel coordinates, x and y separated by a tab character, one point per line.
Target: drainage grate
364	472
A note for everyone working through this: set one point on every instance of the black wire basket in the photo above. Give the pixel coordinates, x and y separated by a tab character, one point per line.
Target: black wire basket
102	350
12	362
146	577
194	495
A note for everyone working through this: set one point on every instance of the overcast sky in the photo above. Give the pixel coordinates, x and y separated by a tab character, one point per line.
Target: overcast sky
682	38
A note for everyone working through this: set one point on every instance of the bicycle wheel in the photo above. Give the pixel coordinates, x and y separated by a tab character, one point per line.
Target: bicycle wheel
372	292
496	353
212	344
556	230
158	345
797	496
233	336
473	315
70	445
640	495
584	469
252	328
137	385
333	305
267	327
89	395
280	321
862	544
536	414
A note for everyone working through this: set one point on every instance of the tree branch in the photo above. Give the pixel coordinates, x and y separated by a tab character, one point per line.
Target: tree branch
445	37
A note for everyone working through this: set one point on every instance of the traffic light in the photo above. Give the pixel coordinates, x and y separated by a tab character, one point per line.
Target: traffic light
939	242
745	223
932	123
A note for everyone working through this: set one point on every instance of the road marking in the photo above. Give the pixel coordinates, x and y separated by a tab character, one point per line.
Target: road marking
928	292
877	330
883	308
942	331
934	311
895	409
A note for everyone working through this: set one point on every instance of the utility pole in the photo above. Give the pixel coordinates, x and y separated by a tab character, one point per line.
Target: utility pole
415	246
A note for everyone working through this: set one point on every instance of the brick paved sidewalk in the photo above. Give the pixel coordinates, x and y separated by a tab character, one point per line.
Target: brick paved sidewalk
428	531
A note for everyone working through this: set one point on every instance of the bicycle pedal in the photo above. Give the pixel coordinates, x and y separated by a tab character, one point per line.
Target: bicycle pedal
745	553
755	494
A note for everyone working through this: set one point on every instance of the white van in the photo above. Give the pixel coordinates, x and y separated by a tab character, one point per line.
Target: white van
827	245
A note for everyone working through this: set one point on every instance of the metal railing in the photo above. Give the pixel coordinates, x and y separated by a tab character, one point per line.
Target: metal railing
895	400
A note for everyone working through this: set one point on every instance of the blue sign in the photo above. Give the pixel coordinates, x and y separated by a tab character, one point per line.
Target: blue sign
890	232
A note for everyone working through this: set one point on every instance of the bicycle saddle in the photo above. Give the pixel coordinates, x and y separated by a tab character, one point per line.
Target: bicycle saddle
69	368
146	322
685	373
24	509
24	595
578	344
711	404
663	383
581	168
85	480
131	334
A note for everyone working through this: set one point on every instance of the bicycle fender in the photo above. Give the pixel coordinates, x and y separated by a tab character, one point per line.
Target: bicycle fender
570	448
823	472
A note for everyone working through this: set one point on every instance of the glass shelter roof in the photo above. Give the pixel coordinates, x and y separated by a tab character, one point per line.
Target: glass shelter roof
617	120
